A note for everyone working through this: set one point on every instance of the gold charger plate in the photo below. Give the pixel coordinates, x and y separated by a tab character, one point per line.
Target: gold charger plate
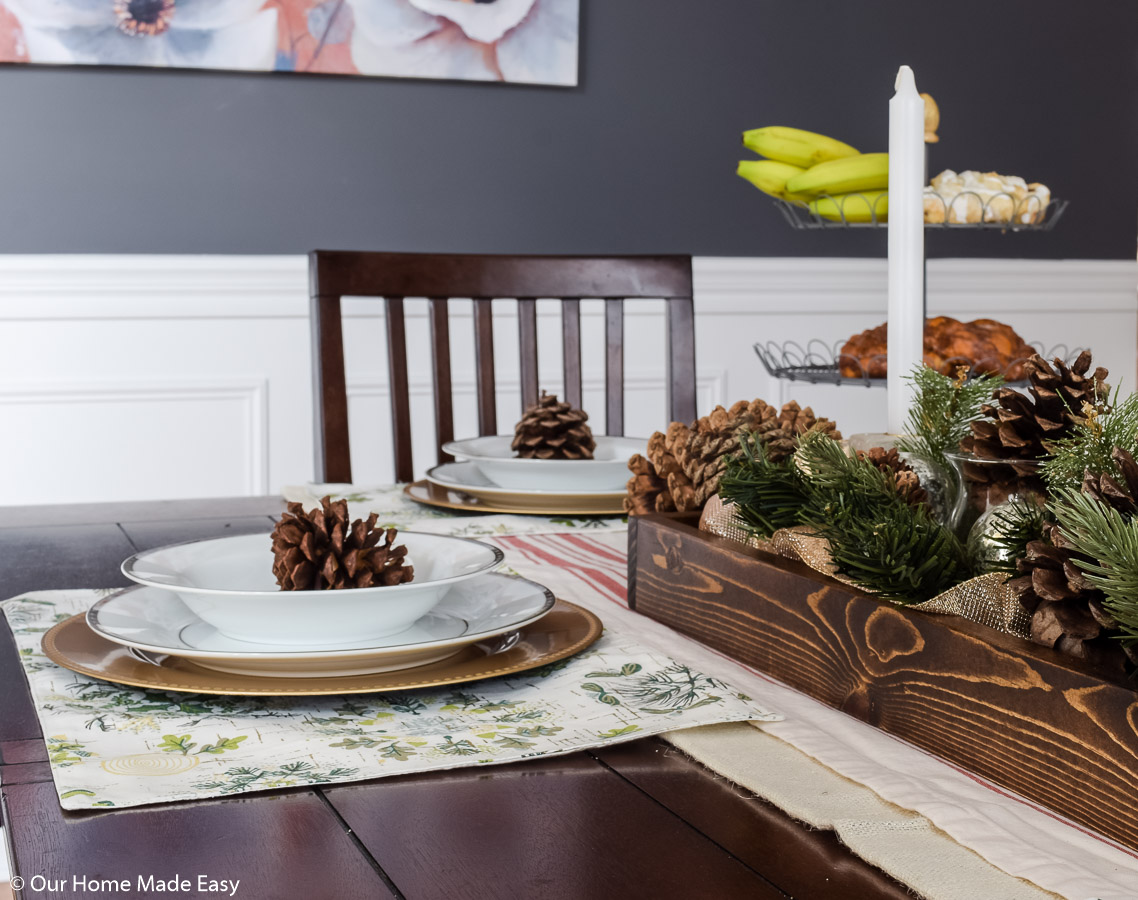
563	631
515	504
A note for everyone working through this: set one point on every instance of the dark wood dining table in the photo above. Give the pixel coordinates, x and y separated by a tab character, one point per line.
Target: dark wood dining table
629	821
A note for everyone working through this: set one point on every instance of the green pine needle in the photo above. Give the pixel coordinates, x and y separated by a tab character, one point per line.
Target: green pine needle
942	412
1090	444
877	538
769	495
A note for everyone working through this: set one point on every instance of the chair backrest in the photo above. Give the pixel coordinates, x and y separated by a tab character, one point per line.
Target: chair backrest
439	277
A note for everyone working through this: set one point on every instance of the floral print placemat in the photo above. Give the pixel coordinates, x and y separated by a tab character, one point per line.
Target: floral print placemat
397	510
116	746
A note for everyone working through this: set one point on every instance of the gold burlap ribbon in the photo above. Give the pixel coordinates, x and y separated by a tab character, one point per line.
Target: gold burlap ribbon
985	599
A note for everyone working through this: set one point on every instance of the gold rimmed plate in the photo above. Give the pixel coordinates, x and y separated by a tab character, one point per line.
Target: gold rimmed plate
565	630
523	503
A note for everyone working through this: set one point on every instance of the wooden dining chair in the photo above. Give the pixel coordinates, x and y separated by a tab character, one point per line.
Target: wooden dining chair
482	279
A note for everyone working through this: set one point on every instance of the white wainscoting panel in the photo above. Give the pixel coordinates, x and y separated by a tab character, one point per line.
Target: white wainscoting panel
131	377
132	440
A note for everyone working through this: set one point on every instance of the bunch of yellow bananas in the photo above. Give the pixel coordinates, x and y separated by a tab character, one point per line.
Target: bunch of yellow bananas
833	179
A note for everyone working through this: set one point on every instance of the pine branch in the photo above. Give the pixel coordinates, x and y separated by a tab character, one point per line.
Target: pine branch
942	412
906	558
1092	440
1104	534
769	495
876	537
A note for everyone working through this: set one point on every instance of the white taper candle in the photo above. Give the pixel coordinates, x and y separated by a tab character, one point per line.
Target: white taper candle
906	242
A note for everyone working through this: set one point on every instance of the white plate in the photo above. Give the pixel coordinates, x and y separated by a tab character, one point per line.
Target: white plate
607	471
229	583
153	620
466	476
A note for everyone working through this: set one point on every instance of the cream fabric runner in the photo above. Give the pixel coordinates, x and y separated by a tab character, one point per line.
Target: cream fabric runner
904	844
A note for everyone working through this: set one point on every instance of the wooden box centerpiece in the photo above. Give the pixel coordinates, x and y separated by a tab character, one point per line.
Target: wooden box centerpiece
1024	716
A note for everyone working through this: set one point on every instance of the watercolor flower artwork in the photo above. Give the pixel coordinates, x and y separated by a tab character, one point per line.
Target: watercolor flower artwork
521	41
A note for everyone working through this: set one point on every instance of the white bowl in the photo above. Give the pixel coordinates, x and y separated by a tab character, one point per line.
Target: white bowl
607	471
229	583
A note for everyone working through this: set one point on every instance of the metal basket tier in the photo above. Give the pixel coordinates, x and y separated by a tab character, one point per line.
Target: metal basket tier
999	212
822	363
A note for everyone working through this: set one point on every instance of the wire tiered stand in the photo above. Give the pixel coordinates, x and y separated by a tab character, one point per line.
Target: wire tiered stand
821	363
966	210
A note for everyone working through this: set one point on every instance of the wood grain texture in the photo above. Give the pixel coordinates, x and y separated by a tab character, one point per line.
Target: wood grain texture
442	383
614	367
18	721
61	556
757	833
26	751
570	828
484	366
364	274
1023	716
400	395
527	350
333	457
284	845
571	350
25	773
147	535
138	511
681	360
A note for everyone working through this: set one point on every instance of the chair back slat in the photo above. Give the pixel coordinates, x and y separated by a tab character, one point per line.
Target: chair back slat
443	386
614	366
400	393
681	360
571	350
329	390
484	365
395	276
527	345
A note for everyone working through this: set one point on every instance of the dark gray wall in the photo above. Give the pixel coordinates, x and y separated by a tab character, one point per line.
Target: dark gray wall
639	158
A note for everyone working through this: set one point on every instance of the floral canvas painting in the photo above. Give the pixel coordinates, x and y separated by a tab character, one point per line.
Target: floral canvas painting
525	41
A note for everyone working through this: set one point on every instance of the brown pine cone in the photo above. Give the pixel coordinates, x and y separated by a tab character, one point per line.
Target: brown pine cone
1021	430
1120	493
714	439
691	459
906	480
319	550
793	423
644	487
1067	611
553	430
647	489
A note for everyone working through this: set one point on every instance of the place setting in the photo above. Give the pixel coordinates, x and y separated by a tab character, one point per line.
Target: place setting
322	605
553	464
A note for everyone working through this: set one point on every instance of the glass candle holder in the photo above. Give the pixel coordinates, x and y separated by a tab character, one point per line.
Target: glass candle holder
992	496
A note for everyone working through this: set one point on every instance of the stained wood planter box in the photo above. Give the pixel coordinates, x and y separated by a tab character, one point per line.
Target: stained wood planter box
1023	716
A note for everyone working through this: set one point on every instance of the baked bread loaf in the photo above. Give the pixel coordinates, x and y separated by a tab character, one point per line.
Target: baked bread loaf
972	197
984	345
